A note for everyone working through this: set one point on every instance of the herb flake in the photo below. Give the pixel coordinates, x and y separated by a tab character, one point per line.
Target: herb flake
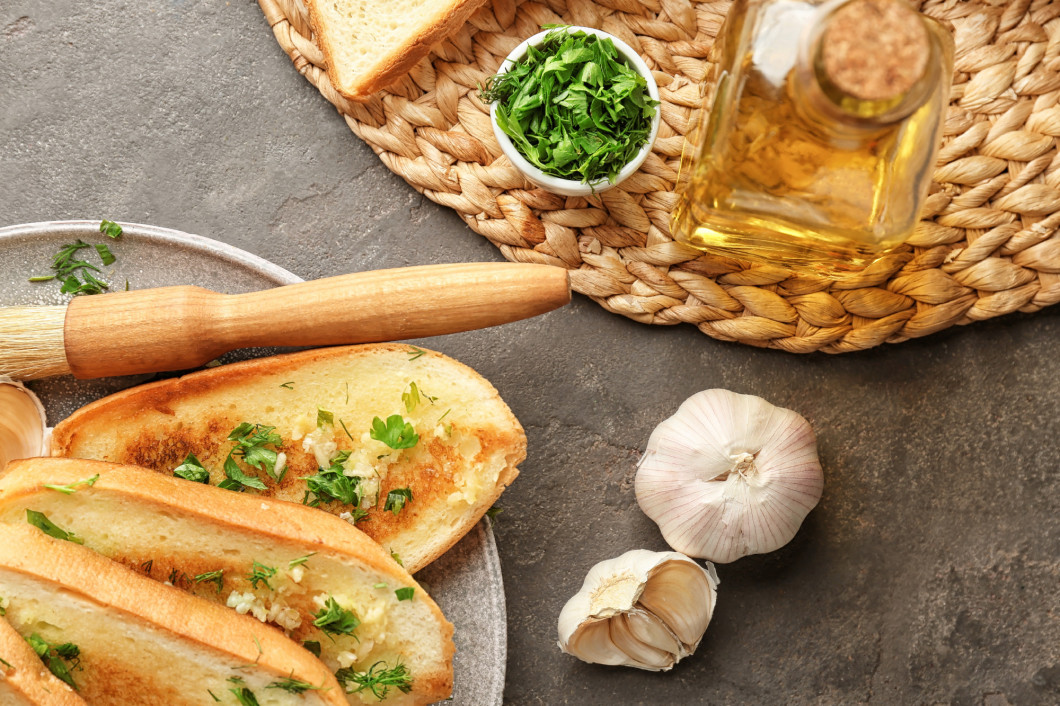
72	488
41	522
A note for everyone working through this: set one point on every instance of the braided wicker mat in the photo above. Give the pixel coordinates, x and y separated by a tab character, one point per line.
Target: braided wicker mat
988	244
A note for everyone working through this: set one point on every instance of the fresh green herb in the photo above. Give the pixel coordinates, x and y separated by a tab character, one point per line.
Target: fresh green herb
325	417
213	696
381	584
105	254
294	686
147	566
395	557
299	561
60	659
405	594
332	484
347	392
245	696
110	229
415	352
216	577
378	680
414	396
260	573
41	522
72	487
347	431
193	470
333	619
493	512
396	499
6	663
236	479
66	268
177	577
313	646
288	385
573	107
395	432
251	441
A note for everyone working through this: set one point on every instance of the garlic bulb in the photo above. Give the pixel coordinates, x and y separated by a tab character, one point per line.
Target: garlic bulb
643	609
729	475
23	427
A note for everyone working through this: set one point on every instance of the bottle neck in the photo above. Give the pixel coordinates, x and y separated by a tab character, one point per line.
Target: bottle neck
865	63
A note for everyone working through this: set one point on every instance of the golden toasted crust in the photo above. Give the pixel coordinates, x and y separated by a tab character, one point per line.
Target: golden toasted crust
25	678
397	61
205	516
158	424
52	575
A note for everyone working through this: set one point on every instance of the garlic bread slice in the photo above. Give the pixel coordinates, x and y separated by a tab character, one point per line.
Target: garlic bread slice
25	680
306	572
410	444
126	640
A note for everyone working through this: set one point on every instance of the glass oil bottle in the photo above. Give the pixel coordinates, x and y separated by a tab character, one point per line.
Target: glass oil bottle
819	147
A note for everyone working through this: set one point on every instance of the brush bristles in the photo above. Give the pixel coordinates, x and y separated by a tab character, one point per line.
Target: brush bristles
31	342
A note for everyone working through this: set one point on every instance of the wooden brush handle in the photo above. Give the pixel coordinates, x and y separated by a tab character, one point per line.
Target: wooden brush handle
174	328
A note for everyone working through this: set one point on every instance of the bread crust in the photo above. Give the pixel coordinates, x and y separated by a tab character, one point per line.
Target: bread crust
110	587
26	676
162	399
399	61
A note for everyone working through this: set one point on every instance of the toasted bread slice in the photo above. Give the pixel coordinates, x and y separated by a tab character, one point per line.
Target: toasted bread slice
141	642
369	44
213	543
468	445
24	680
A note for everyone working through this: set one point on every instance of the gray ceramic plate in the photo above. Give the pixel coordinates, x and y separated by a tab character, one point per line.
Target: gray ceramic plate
466	582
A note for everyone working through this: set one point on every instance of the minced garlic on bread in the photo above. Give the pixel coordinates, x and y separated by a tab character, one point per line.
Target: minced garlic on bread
130	641
369	44
458	443
287	565
24	679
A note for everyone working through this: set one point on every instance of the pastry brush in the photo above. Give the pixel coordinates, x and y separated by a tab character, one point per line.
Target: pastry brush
175	328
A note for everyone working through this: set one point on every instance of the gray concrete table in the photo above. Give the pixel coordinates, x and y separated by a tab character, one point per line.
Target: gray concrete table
929	573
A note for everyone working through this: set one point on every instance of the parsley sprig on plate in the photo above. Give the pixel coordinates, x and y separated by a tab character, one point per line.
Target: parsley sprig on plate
573	107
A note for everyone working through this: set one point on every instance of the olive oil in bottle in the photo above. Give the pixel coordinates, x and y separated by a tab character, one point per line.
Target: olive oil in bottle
818	150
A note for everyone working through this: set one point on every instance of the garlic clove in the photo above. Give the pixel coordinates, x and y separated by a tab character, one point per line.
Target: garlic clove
592	642
23	426
650	630
641	654
609	622
673	594
729	475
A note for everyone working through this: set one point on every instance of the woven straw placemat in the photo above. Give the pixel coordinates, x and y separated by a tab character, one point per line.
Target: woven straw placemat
988	244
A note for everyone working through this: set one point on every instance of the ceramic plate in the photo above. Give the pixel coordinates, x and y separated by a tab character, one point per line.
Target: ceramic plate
466	581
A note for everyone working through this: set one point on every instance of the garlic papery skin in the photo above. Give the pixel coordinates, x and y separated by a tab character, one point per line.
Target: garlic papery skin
729	475
23	427
643	609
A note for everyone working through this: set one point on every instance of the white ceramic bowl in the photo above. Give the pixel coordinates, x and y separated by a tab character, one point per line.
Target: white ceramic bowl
569	187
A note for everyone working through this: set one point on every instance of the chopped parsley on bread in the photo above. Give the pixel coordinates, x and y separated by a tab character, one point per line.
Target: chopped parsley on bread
25	677
407	444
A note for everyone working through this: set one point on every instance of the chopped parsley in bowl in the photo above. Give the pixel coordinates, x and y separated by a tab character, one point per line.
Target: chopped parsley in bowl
575	109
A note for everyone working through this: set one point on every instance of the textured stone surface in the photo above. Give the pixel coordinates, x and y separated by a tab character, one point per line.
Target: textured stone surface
929	572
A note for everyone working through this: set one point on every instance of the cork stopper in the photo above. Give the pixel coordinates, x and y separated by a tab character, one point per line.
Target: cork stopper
875	50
